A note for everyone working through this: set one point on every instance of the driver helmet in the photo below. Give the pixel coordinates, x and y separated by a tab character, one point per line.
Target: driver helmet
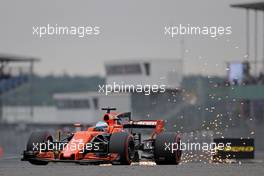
101	126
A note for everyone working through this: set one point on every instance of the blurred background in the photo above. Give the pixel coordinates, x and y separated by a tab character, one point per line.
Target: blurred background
215	86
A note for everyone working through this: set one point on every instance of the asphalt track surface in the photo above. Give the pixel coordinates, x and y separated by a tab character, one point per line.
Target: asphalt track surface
15	167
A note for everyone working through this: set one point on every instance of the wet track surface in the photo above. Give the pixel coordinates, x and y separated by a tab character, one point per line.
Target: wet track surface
14	167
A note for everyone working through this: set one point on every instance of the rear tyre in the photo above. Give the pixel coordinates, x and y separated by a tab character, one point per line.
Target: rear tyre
162	154
123	144
38	138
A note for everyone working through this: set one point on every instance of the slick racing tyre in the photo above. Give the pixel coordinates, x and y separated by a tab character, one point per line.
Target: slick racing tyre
163	154
123	144
38	138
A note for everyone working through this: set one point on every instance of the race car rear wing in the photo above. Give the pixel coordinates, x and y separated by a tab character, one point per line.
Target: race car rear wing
141	124
158	125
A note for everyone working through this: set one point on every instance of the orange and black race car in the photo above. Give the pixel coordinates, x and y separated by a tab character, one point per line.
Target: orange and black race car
112	140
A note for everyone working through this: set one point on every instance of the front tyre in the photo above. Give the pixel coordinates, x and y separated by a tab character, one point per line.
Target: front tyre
39	137
123	144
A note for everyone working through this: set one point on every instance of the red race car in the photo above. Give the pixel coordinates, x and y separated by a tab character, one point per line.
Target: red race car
112	140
